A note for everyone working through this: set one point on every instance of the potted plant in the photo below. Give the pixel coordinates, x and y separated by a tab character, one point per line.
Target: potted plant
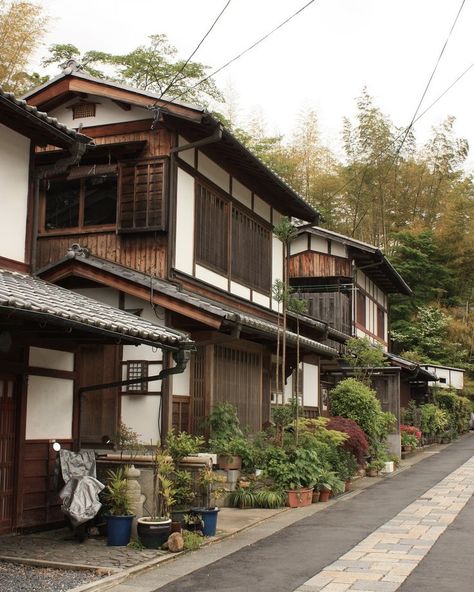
183	495
207	481
154	530
327	483
374	468
296	471
226	436
181	444
192	522
119	513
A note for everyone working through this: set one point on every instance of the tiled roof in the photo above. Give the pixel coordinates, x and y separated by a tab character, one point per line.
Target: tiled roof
25	294
226	313
40	115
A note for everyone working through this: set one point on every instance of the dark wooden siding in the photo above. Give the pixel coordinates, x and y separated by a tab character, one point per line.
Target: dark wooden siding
238	380
333	308
181	419
361	309
251	251
40	504
142	196
146	253
199	383
211	229
311	264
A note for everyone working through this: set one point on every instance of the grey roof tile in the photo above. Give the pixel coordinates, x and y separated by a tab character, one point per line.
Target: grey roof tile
23	293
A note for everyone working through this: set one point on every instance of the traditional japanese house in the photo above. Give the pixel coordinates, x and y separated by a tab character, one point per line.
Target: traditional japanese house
347	284
169	216
49	336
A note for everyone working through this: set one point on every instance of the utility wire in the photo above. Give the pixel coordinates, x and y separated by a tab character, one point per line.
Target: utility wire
242	53
180	71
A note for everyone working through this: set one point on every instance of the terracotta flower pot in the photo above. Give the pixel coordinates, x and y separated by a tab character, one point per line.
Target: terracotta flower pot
324	495
229	463
297	498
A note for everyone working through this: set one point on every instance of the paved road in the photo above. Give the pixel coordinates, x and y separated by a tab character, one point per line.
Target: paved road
413	530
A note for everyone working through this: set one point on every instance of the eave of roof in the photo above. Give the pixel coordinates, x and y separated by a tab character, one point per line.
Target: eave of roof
49	128
375	254
225	313
415	369
31	297
290	202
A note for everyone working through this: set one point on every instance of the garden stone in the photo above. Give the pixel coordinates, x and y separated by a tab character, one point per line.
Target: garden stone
175	542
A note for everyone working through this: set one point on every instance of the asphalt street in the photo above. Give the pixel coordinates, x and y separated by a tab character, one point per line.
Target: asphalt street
290	557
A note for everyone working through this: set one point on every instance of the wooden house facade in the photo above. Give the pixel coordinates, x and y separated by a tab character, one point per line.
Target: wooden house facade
170	217
48	335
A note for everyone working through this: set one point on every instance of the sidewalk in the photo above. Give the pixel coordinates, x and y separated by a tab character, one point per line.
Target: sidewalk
56	549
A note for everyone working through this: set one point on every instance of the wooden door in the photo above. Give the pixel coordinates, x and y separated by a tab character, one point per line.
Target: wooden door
7	451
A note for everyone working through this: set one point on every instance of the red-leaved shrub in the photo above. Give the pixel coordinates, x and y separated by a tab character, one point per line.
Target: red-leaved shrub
356	443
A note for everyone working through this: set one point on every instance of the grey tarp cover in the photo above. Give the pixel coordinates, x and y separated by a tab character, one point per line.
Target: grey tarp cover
80	495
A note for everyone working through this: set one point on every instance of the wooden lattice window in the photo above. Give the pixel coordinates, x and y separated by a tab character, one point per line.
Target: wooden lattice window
142	196
82	110
361	316
137	370
380	323
212	229
251	250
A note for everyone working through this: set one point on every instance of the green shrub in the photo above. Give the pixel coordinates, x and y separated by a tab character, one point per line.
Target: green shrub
433	420
182	444
354	400
192	540
458	409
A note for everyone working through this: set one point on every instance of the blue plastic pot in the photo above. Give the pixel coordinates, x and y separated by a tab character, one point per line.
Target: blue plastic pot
209	518
119	529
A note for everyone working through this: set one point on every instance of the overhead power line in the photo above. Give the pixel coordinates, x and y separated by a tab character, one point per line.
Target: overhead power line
242	53
181	70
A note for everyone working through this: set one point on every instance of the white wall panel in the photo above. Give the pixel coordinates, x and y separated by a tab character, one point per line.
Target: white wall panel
51	358
241	193
186	155
261	299
319	244
310	384
240	290
49	408
214	172
182	382
299	245
215	279
338	249
14	167
141	413
106	295
261	208
185	222
106	111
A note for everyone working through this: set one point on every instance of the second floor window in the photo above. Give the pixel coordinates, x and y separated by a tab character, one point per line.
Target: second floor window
360	311
79	203
231	240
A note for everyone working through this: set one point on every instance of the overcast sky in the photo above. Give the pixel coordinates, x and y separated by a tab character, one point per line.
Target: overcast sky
322	59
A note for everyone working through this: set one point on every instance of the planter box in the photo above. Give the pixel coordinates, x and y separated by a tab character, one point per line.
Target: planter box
297	498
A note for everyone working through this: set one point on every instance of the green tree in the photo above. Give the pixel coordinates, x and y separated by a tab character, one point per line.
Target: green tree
153	67
22	26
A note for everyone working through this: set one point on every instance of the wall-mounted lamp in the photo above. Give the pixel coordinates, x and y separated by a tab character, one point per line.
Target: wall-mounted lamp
56	446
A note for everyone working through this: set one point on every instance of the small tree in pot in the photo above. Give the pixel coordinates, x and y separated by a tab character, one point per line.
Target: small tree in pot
154	530
208	482
119	510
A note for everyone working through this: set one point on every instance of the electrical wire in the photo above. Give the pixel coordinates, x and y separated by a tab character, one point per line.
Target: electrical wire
242	53
180	71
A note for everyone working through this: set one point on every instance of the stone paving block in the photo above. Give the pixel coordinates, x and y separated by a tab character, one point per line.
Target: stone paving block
375	586
353	555
336	587
320	579
393	547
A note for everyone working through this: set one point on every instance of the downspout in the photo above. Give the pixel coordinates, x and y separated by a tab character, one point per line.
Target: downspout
181	357
77	151
216	136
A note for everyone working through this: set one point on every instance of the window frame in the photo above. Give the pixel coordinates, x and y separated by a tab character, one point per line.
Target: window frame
81	227
232	204
128	390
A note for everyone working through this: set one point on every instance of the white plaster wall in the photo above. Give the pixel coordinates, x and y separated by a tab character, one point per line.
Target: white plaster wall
210	277
213	171
51	358
454	379
457	379
338	249
186	155
299	245
182	382
106	111
319	244
261	299
14	167
240	290
142	414
288	390
185	222
49	408
310	384
241	193
262	208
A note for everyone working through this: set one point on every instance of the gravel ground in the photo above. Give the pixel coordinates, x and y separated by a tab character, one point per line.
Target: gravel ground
15	577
